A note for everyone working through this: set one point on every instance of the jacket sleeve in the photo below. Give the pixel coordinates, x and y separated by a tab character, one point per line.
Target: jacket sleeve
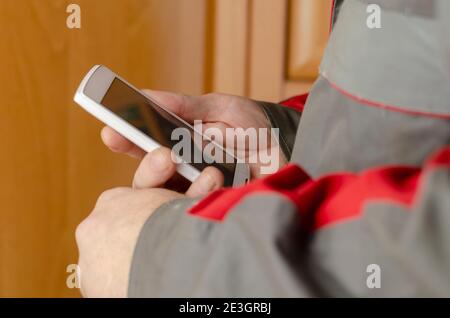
286	117
382	232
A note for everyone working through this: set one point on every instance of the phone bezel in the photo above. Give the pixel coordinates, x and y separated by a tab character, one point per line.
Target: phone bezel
90	94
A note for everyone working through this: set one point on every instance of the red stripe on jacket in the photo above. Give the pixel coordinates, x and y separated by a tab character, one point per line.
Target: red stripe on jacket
332	198
297	102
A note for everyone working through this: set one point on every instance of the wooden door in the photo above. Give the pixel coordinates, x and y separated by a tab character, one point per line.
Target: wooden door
269	50
53	165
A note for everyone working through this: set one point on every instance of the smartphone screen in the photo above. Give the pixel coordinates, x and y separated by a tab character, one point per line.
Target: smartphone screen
157	123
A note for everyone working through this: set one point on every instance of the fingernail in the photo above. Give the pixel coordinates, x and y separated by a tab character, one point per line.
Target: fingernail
158	161
206	183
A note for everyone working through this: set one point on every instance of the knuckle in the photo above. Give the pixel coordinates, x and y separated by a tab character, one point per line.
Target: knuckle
105	195
91	223
110	194
82	230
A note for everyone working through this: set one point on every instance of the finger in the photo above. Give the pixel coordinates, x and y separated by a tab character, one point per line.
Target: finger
209	180
155	169
189	108
117	143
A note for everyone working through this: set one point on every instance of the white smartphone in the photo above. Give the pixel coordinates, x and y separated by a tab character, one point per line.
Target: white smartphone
137	117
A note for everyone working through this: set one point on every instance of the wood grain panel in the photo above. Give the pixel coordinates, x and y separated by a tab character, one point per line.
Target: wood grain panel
259	48
309	24
32	190
54	166
267	49
231	46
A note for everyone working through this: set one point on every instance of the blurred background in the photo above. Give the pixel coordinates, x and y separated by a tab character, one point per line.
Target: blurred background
54	165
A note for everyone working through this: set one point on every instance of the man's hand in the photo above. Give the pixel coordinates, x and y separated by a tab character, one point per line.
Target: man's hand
107	237
215	111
